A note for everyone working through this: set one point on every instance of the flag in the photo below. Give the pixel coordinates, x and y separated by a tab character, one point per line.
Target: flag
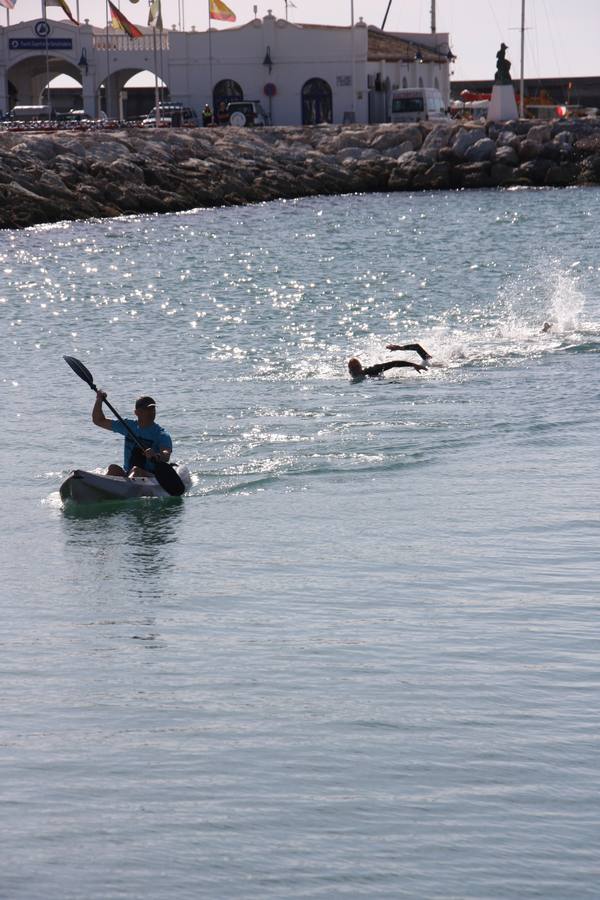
65	8
155	15
218	10
8	4
120	23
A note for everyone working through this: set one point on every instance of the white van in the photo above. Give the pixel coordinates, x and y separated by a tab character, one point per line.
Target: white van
417	105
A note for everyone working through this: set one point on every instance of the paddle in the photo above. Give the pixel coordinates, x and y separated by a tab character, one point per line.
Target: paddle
165	474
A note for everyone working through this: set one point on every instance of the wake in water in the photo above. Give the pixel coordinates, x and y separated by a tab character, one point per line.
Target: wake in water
535	313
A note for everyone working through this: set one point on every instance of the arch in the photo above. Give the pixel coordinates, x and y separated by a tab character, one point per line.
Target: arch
131	102
317	104
436	83
405	82
28	78
420	82
225	91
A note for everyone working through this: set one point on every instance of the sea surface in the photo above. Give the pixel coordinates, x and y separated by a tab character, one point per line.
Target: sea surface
361	657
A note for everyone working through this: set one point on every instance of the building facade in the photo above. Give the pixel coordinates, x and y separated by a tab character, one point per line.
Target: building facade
302	74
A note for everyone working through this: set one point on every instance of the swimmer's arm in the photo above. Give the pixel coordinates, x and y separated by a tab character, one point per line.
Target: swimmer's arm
416	348
394	364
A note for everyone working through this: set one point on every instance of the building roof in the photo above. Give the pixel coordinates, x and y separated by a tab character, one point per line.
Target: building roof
392	47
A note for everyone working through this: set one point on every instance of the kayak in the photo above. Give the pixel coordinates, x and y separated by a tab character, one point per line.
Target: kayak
92	487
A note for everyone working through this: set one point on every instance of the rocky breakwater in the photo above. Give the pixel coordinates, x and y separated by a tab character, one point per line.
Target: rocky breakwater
72	175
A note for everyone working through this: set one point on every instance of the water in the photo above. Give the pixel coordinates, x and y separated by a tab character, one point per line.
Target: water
360	658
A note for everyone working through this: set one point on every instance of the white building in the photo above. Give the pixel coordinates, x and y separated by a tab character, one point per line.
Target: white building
302	74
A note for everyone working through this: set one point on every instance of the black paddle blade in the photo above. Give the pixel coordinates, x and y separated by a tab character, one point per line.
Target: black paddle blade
79	369
168	479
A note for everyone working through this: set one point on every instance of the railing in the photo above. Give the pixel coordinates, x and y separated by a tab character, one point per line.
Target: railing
123	43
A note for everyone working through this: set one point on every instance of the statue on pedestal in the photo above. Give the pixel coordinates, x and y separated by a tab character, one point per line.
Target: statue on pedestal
502	67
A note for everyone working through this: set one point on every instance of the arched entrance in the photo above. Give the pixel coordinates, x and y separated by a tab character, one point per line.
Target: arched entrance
29	79
316	102
224	92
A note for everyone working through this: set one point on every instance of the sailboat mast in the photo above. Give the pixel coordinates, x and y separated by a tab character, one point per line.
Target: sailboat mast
522	85
433	16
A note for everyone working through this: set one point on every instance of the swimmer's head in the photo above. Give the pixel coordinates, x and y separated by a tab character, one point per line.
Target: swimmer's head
354	367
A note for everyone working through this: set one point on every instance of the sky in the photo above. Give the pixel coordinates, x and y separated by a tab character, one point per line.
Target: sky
561	39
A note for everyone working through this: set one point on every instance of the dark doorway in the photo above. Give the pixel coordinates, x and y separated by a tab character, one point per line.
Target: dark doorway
316	102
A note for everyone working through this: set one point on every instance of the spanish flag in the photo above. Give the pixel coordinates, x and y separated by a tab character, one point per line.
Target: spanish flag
120	23
65	8
218	10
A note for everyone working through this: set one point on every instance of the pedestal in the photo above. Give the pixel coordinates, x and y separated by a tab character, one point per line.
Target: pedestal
503	105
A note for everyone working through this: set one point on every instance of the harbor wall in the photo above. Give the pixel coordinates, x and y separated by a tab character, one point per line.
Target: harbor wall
79	175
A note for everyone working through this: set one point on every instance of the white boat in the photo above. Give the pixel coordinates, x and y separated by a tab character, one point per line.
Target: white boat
93	487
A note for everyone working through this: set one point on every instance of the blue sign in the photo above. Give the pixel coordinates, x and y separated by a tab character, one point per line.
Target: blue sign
40	43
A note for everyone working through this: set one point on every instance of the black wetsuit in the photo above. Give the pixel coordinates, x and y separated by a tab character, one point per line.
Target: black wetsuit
373	371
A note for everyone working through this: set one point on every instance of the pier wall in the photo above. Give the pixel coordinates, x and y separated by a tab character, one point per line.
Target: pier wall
79	175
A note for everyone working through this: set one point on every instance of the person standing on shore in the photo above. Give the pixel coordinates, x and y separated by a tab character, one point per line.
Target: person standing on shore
207	115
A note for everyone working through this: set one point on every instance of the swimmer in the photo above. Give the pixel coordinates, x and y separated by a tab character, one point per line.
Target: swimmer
358	371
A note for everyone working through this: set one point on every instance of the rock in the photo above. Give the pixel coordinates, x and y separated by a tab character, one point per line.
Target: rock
507	156
439	137
473	175
560	176
590	169
508	139
541	134
435	178
534	170
564	137
482	150
528	150
464	139
410	134
502	174
351	139
551	150
386	140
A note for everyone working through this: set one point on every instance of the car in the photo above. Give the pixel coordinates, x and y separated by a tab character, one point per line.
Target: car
175	114
245	113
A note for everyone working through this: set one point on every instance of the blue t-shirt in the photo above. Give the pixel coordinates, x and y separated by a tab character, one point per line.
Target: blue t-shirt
152	437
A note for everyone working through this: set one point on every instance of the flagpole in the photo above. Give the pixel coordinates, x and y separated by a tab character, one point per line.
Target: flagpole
210	66
156	98
44	14
107	62
522	83
353	59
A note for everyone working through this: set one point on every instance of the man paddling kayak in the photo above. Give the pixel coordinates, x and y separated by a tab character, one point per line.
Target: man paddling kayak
157	441
358	371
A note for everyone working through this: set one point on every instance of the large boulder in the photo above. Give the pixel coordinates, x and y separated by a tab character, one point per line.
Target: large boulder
540	133
502	174
507	156
482	150
473	175
590	169
464	139
508	138
440	136
561	176
534	170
